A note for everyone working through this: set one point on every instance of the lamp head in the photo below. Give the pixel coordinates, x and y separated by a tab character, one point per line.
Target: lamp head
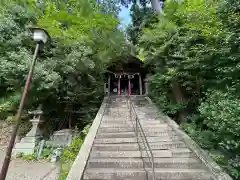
40	35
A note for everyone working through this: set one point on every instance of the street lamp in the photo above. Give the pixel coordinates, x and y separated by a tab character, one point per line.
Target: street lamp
39	36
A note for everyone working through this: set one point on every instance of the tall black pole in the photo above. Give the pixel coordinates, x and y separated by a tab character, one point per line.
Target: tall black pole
8	154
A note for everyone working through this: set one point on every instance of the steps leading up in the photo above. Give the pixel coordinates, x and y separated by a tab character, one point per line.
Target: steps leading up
134	163
133	134
135	140
145	174
136	146
117	154
145	126
138	154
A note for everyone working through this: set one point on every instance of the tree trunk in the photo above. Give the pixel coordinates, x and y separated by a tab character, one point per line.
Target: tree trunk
179	97
156	5
198	88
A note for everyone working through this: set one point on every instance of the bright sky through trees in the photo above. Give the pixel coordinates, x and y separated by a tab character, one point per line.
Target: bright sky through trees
124	15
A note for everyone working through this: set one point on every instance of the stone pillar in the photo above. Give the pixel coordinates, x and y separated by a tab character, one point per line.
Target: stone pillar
109	82
28	143
140	84
147	83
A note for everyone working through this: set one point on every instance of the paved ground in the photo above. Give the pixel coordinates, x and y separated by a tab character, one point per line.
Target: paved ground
27	170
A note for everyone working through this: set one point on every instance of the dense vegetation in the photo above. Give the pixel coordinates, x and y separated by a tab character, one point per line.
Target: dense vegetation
191	49
70	153
70	69
193	54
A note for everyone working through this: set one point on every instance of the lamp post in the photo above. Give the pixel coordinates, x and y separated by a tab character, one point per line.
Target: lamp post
39	36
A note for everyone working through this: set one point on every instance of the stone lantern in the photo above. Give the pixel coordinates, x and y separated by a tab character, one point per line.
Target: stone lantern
30	141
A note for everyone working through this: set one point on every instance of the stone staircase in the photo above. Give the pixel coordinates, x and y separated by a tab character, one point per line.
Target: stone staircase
117	154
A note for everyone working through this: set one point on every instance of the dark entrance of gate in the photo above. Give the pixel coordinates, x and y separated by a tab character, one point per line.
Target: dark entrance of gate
126	77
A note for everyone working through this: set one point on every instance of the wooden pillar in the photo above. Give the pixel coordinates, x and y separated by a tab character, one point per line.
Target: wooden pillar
119	86
109	87
140	84
129	87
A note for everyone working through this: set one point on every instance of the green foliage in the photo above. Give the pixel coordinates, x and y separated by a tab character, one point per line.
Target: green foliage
142	16
64	171
219	129
221	114
194	47
233	166
189	50
70	153
29	157
8	104
70	69
205	138
46	152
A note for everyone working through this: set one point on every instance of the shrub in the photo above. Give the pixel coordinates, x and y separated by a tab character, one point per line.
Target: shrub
221	114
205	138
29	157
70	153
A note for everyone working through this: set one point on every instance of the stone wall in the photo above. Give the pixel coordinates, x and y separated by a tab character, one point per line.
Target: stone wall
5	132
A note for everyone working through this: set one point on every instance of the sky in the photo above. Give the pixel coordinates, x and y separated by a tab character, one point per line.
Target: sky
124	15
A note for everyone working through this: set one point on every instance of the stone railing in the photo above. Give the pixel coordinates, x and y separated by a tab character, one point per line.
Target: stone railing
81	160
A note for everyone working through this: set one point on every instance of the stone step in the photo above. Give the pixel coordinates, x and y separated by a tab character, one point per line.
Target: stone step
131	129
138	174
117	108
145	126
132	134
182	163
134	140
137	154
116	135
116	116
113	130
143	122
115	140
135	146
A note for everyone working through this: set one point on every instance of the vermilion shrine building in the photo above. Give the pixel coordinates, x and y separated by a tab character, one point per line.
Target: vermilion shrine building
126	78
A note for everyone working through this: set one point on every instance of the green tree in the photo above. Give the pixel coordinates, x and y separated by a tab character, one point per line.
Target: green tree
84	41
193	54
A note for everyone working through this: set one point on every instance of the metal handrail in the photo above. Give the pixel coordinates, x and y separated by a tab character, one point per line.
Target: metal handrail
138	124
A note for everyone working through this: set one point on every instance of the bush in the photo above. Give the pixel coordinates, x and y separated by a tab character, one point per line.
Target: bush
46	152
204	138
220	111
29	157
70	153
221	114
8	104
